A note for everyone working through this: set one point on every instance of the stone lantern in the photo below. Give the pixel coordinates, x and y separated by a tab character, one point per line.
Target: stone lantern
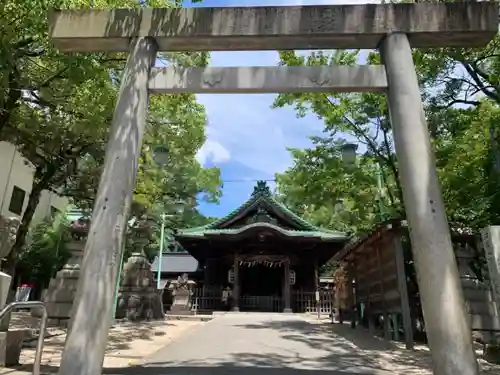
60	294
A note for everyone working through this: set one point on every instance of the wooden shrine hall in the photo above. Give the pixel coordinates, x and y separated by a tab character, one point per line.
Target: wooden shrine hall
264	255
380	288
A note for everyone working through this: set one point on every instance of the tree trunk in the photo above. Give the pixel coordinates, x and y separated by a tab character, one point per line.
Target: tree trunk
33	200
12	100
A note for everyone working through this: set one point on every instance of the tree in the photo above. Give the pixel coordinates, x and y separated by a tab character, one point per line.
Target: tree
464	142
328	193
49	106
47	252
466	168
460	76
177	123
52	139
363	116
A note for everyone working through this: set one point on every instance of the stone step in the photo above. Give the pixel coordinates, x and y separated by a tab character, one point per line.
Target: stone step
485	322
471	294
468	283
11	371
199	318
482	307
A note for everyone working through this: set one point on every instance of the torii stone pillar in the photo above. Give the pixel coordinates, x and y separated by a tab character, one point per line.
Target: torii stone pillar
93	307
369	26
446	318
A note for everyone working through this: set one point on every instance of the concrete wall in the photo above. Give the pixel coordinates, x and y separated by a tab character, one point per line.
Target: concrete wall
15	171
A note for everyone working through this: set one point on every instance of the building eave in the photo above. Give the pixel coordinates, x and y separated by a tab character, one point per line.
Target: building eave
211	233
262	196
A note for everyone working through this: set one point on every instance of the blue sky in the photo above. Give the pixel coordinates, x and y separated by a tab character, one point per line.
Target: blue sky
247	139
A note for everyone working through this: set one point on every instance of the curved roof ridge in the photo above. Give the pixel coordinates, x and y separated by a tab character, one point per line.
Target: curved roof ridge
261	193
288	232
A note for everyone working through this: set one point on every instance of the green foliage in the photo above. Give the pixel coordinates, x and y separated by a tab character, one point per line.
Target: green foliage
57	108
46	252
330	194
465	140
462	98
466	168
318	179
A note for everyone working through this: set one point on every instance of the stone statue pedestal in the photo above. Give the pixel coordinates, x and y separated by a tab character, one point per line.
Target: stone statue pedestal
5	281
182	291
60	294
11	339
138	298
11	343
8	234
181	304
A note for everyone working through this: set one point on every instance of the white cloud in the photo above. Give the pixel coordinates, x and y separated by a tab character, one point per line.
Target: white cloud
214	152
255	135
244	126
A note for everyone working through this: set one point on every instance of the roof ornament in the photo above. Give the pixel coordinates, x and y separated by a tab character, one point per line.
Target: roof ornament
261	189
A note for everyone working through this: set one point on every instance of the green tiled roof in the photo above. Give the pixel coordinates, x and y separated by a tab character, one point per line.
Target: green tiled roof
201	232
262	196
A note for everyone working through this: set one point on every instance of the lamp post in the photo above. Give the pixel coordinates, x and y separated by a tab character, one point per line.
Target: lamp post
117	284
380	191
178	208
339	206
160	252
348	151
118	279
161	157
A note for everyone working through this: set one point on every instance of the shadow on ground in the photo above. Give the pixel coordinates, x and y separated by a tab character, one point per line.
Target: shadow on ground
229	370
120	338
339	350
347	345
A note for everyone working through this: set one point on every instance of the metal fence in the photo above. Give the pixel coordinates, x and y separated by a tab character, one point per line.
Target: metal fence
305	301
210	299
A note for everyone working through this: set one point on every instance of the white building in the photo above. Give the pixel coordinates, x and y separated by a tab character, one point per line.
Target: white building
16	180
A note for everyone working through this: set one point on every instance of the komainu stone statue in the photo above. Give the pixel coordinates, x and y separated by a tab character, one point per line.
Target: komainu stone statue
11	339
138	298
182	291
182	282
8	231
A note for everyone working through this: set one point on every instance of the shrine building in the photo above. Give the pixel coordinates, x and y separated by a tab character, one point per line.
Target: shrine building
268	256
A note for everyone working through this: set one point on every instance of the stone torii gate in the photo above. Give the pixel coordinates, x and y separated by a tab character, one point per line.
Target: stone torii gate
393	29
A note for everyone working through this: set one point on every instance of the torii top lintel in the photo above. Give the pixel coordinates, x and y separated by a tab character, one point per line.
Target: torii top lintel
460	24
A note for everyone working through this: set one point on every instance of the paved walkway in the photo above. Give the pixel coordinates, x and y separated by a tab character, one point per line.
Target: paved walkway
278	344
